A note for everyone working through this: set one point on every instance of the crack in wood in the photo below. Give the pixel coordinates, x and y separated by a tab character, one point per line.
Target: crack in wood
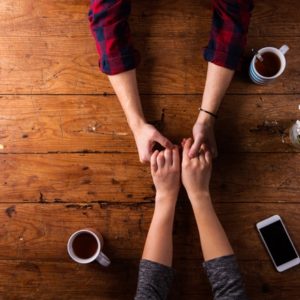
79	206
272	127
42	198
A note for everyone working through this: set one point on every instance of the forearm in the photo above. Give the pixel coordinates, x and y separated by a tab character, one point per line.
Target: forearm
159	244
217	82
214	241
126	89
225	48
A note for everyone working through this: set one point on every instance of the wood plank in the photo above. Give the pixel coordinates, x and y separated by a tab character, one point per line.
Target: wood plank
63	124
50	280
50	57
69	65
43	124
261	281
66	65
28	18
67	280
47	160
121	178
287	83
68	177
62	60
40	231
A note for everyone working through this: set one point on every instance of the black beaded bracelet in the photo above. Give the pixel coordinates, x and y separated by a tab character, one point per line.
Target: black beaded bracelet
208	112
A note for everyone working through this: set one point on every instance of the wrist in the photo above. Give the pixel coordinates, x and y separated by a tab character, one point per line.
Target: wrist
136	123
205	118
200	199
164	212
199	193
165	201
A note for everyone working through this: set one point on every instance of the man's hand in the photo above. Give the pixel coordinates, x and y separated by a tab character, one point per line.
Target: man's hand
203	133
145	137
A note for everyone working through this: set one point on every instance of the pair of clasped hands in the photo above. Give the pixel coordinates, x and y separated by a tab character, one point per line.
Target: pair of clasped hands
147	137
167	169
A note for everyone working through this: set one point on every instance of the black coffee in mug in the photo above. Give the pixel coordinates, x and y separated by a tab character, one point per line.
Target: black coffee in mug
269	66
85	245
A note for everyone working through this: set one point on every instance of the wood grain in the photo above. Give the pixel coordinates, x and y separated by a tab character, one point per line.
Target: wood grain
255	177
55	56
43	124
41	231
28	18
63	65
261	281
52	280
69	160
67	280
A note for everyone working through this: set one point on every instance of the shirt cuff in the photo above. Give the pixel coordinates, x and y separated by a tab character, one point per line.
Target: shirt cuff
223	59
119	64
154	280
225	278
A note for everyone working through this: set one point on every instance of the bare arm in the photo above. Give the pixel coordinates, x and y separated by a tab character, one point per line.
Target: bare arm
219	262
118	59
230	19
196	174
159	243
165	170
155	272
126	89
217	82
146	135
214	241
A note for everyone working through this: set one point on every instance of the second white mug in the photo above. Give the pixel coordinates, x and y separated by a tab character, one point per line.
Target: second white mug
259	78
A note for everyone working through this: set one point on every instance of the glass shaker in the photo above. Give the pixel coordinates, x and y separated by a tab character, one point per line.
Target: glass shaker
295	134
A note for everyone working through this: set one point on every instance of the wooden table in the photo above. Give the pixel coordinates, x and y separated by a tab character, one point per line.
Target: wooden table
69	160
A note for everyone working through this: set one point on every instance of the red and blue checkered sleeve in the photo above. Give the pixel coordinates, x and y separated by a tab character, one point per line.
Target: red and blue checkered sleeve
109	26
229	30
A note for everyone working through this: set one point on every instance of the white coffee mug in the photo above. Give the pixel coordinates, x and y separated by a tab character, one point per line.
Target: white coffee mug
98	255
255	76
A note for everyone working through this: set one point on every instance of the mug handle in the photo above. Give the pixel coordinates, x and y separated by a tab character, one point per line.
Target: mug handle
103	260
284	49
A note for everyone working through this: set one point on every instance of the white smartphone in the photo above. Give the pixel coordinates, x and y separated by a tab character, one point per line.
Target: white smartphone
278	243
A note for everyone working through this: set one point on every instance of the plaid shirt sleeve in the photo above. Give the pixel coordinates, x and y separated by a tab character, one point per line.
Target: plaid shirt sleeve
229	30
109	26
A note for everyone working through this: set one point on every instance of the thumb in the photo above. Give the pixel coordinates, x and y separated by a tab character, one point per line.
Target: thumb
208	157
186	149
195	147
163	141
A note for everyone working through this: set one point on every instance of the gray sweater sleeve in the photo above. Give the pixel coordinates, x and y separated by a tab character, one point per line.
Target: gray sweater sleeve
154	280
225	278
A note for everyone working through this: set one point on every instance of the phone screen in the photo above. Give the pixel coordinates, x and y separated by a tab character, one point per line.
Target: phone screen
278	243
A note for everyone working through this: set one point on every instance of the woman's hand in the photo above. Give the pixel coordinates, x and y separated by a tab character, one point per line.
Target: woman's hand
196	172
165	171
